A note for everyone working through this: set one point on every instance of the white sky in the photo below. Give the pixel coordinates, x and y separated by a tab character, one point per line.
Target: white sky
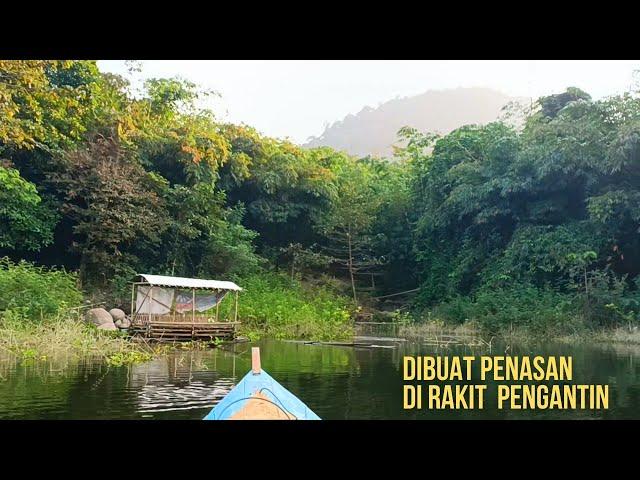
296	98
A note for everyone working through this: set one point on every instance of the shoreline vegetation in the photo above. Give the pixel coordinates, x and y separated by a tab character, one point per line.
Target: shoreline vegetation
39	316
522	229
442	334
38	323
67	335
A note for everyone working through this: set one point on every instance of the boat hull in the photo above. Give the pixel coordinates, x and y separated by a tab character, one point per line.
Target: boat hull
259	397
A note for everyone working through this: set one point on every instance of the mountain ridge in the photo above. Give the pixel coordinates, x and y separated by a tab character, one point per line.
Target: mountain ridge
373	130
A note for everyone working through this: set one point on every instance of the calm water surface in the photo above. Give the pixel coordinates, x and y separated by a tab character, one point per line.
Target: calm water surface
336	382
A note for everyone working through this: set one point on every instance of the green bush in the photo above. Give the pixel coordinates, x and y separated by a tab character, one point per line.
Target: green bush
496	310
36	292
271	304
541	254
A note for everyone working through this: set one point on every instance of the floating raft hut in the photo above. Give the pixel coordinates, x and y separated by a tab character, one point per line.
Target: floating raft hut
259	397
177	308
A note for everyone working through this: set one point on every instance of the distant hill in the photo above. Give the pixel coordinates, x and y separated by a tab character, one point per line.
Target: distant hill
373	131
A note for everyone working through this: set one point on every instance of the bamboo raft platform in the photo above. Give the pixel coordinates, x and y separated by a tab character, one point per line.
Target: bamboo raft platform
173	309
164	329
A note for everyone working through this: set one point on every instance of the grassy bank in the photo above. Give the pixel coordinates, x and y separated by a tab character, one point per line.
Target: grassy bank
470	334
523	313
525	310
432	328
619	335
40	315
437	329
40	318
67	336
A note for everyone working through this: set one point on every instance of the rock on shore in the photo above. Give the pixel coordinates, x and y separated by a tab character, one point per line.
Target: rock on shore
107	326
99	316
111	320
117	314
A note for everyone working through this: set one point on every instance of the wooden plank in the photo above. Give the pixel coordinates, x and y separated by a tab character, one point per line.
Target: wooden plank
190	332
187	335
169	331
255	360
191	328
198	335
375	323
188	324
362	338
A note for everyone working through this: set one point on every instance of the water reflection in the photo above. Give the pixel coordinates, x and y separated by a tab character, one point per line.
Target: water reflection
180	382
337	382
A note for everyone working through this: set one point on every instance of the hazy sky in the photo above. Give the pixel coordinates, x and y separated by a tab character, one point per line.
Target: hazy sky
296	99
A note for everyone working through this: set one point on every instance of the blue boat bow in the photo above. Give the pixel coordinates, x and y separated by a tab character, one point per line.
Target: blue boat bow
259	397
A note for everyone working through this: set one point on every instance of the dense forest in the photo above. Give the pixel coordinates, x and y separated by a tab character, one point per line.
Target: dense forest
534	226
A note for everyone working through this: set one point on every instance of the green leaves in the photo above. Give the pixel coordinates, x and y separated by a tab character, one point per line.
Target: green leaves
552	104
497	207
275	306
25	222
106	195
36	292
44	104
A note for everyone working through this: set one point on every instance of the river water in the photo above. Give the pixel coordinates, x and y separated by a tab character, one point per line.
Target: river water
337	382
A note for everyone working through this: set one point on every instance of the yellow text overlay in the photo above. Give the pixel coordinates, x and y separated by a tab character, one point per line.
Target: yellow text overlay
517	381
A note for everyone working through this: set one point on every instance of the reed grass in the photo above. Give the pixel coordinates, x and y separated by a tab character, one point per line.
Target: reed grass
435	328
65	335
620	335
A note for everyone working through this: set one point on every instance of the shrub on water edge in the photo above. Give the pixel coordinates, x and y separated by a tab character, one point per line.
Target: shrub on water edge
273	305
537	309
36	321
606	303
36	292
119	359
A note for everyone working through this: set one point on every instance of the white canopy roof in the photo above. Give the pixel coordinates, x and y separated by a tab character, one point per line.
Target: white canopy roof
161	280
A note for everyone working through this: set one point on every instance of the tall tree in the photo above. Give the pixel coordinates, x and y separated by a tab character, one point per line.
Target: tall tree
346	224
112	202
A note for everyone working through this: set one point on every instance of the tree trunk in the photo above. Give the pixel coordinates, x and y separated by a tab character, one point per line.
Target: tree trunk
587	302
82	270
353	283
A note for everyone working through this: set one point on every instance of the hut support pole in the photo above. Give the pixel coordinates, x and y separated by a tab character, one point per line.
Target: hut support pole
150	302
133	304
235	317
193	305
217	304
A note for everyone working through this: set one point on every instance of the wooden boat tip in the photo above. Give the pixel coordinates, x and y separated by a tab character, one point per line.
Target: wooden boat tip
257	396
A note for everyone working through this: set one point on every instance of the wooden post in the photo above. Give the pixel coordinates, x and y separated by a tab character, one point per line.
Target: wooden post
193	306
150	301
133	304
217	304
235	317
255	360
